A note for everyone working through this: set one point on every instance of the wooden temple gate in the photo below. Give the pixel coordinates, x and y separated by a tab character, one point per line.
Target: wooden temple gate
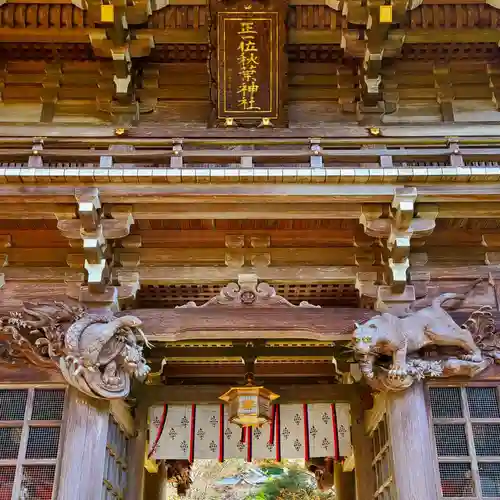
302	194
398	436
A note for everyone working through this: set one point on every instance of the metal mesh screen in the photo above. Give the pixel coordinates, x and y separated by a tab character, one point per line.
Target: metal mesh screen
30	427
486	439
489	474
483	402
13	404
48	404
37	482
7	476
466	423
115	467
451	440
325	294
456	480
446	402
43	442
10	440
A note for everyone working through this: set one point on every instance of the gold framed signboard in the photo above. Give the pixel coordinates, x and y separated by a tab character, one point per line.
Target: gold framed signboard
248	45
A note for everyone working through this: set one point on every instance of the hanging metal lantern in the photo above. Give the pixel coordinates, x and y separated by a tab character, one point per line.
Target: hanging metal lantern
249	406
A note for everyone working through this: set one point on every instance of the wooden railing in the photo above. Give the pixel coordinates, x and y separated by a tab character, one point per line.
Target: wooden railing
312	153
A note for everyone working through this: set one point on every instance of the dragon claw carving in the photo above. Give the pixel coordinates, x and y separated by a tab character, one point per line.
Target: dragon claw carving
97	354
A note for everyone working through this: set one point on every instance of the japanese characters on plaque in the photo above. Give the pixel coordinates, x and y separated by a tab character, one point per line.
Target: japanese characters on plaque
248	59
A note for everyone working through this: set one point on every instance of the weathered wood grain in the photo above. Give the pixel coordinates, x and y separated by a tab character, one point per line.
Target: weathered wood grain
230	323
412	446
83	448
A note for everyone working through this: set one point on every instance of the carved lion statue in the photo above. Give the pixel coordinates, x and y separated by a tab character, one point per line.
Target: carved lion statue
398	338
103	353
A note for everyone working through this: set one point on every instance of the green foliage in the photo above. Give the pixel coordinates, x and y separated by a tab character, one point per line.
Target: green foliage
295	485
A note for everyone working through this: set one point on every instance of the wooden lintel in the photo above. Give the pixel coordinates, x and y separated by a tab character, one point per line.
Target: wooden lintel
151	395
226	323
160	4
290	201
81	4
450	35
199	36
24	373
153	275
426	134
45	35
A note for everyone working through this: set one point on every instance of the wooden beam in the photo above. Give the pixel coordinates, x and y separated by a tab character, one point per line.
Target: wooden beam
293	393
343	256
190	371
24	373
153	275
325	36
424	133
45	35
228	323
160	4
81	4
288	201
452	35
158	275
173	351
216	238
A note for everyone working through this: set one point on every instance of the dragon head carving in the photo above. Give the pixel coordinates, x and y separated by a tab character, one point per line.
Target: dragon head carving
103	354
97	354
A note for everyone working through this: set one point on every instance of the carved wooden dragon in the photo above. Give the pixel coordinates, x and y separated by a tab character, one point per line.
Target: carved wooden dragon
96	354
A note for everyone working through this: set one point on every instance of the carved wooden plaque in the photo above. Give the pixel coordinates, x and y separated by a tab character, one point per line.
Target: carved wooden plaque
250	62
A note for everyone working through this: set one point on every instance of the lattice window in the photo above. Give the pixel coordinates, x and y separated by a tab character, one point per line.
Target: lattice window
30	428
339	294
466	422
382	463
115	467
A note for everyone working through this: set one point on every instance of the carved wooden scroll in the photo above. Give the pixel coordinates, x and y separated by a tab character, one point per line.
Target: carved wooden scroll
248	62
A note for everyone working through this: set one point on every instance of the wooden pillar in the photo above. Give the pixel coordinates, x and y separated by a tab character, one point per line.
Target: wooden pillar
136	457
412	446
163	481
363	454
156	486
345	488
152	486
83	448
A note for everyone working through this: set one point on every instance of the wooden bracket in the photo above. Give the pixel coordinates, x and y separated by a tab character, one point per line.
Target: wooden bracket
404	221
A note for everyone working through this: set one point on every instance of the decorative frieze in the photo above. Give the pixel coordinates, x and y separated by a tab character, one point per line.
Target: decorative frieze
248	292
